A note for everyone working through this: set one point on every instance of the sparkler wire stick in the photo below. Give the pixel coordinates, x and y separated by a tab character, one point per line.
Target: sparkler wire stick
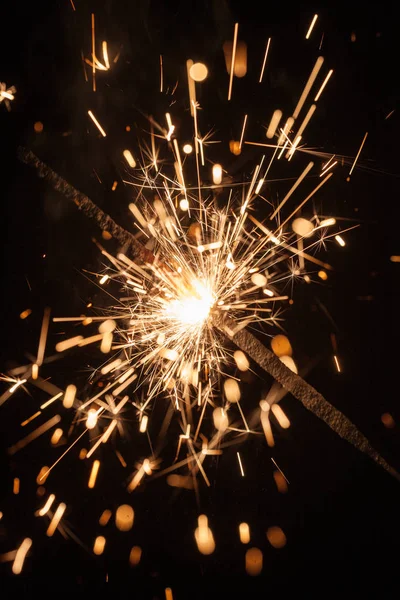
301	390
84	204
246	341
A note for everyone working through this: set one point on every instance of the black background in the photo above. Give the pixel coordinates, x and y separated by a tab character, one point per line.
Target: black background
341	513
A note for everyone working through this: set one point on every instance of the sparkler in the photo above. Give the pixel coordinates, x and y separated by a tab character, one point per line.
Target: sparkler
187	287
188	291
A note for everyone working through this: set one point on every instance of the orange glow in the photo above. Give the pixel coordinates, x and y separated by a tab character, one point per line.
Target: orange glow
254	561
135	556
99	545
281	346
276	537
124	517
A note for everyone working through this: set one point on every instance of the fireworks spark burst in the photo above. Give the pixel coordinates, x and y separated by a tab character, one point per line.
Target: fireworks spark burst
209	271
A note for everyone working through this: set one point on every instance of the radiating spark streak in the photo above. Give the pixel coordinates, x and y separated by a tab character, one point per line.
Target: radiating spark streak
308	198
35	434
93	474
36	414
161	74
200	466
293	148
280	471
171	127
95	121
286	129
45	509
311	27
235	35
20	556
308	86
111	366
70	343
265	60
65	452
191	88
292	189
91	340
337	363
11	390
124	385
16	486
328	168
43	337
53	399
105	55
240	464
358	153
56	519
321	89
243	128
72	4
306	120
104	438
93	55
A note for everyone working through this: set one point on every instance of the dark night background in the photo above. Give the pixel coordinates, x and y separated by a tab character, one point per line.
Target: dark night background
341	514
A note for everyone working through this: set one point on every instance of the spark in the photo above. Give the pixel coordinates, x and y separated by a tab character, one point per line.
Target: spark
243	129
358	153
45	509
340	240
308	86
20	556
55	521
6	94
93	66
131	162
35	434
321	89
93	474
233	58
311	27
95	121
240	464
265	60
292	189
161	74
337	363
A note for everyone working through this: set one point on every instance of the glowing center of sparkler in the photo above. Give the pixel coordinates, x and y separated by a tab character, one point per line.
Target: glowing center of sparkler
192	308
